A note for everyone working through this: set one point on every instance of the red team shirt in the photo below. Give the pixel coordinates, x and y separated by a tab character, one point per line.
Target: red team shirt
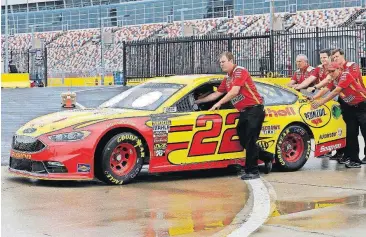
354	69
352	92
320	72
248	94
301	75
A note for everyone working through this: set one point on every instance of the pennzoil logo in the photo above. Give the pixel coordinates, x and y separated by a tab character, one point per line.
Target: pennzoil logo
315	118
20	155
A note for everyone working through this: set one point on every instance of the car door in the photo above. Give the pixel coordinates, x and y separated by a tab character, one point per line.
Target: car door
202	136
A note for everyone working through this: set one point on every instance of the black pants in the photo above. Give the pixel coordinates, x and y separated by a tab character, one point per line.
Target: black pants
352	126
355	118
248	129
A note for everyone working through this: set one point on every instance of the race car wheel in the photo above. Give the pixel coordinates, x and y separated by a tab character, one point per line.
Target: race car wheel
293	148
122	158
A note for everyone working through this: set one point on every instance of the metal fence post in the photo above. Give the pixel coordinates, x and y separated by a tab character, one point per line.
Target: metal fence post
317	40
45	67
271	49
192	55
156	57
230	43
124	64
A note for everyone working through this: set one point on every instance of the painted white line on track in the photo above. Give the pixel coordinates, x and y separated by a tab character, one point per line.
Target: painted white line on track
97	88
260	211
80	106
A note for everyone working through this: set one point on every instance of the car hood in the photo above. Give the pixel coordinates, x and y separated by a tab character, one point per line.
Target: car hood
60	120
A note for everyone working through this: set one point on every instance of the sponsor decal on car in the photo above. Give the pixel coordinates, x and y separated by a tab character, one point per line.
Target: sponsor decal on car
160	125
265	144
20	155
270	130
336	111
328	135
84	168
288	111
323	148
315	118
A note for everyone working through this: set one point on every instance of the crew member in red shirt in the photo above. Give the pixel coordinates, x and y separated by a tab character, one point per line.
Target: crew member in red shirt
354	70
304	70
353	94
242	92
319	73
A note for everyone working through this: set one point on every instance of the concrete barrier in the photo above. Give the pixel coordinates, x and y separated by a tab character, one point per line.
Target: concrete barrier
15	80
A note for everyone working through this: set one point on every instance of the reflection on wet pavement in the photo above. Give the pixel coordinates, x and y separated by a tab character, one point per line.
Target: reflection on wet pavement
187	203
289	207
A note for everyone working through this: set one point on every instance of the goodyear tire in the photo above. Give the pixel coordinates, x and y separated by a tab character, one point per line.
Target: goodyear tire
122	159
293	148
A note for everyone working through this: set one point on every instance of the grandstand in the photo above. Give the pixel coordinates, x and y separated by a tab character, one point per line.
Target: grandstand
71	29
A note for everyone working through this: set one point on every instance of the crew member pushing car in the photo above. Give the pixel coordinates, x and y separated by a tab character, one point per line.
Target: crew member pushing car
353	94
242	92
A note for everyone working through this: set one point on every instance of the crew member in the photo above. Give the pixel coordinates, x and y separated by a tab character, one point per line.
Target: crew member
353	94
242	92
304	70
320	72
354	70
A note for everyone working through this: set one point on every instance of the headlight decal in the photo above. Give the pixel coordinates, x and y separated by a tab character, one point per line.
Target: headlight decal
69	137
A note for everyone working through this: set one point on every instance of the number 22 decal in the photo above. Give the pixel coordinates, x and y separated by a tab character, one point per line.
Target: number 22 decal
227	144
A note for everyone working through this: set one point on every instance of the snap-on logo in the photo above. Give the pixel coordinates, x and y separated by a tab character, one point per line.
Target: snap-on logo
330	148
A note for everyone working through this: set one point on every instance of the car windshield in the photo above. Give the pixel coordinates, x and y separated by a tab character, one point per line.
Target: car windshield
147	96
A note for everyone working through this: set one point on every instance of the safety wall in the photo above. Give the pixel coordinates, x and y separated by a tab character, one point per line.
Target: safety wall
15	80
80	81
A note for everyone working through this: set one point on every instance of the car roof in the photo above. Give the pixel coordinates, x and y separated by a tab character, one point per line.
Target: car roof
194	78
186	79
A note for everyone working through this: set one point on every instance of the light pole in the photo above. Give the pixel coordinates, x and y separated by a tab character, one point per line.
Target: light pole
182	10
102	43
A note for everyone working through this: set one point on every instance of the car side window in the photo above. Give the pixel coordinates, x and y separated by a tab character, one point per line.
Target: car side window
186	104
273	95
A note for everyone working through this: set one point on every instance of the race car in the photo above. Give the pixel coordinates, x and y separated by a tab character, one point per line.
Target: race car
158	123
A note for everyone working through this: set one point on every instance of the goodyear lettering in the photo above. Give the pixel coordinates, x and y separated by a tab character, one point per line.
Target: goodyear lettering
330	147
315	114
127	137
279	152
18	155
308	150
328	135
288	111
113	179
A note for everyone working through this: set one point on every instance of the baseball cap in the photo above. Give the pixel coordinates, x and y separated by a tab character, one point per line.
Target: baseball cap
334	66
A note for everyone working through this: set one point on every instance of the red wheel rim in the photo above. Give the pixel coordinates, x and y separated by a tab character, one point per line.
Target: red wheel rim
292	147
123	159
